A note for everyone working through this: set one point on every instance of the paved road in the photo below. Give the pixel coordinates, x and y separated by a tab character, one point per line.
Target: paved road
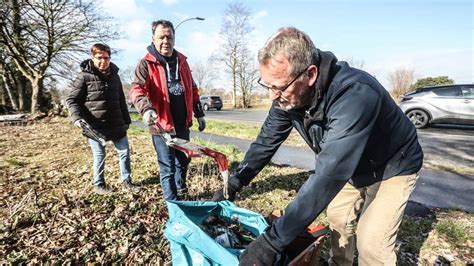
435	188
442	142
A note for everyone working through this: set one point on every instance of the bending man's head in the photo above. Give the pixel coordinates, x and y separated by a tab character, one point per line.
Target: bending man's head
288	67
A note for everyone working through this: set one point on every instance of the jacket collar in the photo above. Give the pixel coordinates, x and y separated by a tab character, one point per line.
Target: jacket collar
327	69
88	66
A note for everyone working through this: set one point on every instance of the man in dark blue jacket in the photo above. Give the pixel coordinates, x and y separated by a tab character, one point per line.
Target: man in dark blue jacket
367	152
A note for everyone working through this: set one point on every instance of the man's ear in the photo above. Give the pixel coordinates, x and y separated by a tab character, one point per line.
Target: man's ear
312	74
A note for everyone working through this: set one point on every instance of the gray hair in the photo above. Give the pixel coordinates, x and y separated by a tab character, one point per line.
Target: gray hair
295	45
163	23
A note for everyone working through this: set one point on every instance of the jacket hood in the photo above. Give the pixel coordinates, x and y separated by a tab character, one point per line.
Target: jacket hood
88	66
327	69
153	53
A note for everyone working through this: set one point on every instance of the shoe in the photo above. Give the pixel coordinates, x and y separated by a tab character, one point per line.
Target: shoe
182	194
102	190
129	186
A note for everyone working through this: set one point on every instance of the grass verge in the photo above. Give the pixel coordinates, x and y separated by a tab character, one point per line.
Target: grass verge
51	215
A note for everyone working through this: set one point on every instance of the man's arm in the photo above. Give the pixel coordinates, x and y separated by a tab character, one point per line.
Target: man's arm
75	100
274	132
139	91
197	107
123	104
351	118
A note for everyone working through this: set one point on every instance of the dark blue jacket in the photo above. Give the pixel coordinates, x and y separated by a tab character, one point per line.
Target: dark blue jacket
358	134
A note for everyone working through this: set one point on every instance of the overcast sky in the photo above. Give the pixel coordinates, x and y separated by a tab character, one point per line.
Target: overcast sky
432	37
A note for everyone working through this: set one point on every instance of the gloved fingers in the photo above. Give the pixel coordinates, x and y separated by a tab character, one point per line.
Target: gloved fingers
202	123
149	117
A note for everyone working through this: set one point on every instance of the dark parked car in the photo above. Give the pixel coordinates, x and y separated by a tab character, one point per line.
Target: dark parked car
211	102
452	104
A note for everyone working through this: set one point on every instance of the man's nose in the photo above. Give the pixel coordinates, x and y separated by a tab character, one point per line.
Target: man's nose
274	94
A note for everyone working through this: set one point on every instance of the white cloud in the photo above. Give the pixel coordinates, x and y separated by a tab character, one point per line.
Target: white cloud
169	2
199	45
121	9
454	63
260	14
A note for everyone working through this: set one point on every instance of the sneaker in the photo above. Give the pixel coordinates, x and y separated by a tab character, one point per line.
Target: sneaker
129	186
102	190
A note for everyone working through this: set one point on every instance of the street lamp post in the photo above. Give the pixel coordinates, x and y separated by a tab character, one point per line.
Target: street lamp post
198	18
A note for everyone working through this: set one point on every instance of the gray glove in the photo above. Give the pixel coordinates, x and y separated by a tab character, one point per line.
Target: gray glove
149	117
78	122
202	123
233	186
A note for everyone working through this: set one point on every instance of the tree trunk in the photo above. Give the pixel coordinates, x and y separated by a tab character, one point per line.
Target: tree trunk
8	88
36	95
21	83
234	89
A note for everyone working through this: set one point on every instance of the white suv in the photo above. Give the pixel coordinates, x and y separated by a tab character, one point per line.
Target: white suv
452	104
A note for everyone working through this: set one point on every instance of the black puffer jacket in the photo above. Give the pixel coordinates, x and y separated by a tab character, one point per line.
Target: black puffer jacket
99	99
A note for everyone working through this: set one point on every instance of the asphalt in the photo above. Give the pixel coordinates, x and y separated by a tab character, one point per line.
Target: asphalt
434	189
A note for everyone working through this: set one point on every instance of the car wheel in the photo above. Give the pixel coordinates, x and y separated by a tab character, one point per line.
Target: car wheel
218	109
419	118
206	107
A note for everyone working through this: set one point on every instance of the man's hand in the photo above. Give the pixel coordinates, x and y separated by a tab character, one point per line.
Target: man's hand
202	123
233	186
78	122
260	253
149	117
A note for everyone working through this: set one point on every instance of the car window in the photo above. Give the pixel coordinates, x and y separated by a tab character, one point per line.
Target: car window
215	98
447	91
468	92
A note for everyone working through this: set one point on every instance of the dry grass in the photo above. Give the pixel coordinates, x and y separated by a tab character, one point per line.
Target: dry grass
49	213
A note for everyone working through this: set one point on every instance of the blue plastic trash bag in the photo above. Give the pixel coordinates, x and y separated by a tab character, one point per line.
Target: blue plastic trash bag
190	245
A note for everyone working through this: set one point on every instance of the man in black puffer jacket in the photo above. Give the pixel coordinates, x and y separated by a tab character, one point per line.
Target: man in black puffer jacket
367	154
97	99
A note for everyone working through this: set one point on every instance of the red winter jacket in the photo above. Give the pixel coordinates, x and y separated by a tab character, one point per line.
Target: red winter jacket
149	91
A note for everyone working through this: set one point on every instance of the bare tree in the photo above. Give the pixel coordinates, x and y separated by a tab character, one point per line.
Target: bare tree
204	75
356	63
247	75
234	31
401	81
43	37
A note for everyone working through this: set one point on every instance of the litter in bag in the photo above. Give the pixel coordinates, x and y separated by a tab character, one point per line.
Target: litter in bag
190	245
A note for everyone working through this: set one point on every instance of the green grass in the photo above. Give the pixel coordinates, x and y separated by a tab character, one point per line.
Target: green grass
15	162
244	130
456	233
135	117
235	129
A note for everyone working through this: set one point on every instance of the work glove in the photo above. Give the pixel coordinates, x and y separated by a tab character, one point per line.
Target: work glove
233	186
78	122
202	123
259	253
149	117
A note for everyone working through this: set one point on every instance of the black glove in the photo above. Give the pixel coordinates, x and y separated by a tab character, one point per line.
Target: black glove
260	253
233	186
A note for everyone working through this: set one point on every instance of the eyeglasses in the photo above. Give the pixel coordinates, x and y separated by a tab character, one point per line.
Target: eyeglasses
283	88
102	58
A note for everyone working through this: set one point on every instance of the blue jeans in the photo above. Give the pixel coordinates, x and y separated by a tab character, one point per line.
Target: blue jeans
173	166
98	153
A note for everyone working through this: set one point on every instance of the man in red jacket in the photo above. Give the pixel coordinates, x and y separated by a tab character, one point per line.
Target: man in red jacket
164	93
